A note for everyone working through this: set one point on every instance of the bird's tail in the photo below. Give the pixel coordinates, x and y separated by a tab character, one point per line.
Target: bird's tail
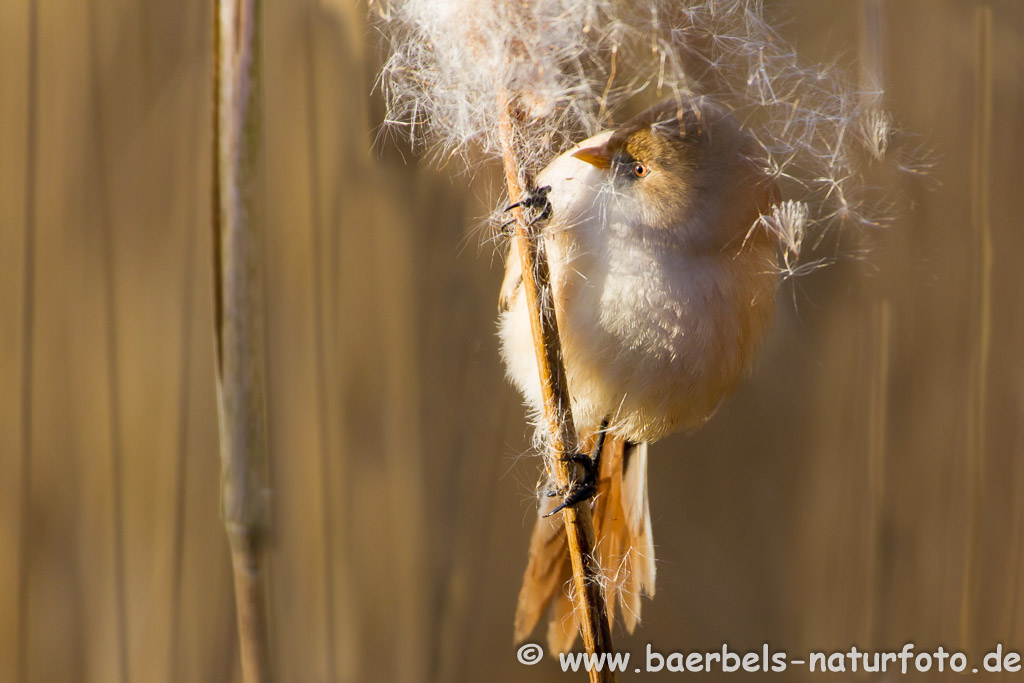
622	523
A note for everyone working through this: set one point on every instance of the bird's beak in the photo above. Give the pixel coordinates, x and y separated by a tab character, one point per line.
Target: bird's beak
595	156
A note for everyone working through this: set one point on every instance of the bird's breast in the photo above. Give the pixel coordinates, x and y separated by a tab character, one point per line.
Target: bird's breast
652	336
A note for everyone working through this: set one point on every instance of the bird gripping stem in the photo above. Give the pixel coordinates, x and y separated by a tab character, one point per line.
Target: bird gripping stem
579	523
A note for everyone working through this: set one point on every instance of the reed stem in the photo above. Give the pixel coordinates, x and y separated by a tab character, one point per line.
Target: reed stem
239	312
579	523
112	351
316	256
981	153
28	275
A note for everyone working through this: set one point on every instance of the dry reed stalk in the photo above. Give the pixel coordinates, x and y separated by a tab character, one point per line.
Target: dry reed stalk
112	350
881	324
181	461
579	523
981	154
319	352
871	85
184	381
1013	569
27	343
238	319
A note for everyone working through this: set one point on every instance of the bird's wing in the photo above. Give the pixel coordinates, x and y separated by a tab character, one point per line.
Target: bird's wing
513	278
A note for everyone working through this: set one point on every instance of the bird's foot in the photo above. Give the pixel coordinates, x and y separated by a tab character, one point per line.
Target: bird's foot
535	205
580	490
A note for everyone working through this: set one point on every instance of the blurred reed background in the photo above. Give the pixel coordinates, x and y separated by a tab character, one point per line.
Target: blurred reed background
863	487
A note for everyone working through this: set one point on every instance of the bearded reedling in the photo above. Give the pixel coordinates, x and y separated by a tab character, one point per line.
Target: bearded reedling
663	279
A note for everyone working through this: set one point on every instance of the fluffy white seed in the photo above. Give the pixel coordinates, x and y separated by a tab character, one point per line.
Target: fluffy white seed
575	67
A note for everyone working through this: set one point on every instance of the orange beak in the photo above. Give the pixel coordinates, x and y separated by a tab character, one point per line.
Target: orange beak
595	156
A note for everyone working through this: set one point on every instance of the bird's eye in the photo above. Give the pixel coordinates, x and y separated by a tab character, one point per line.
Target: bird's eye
639	170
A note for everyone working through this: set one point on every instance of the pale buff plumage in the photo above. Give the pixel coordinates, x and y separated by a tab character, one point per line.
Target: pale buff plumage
663	288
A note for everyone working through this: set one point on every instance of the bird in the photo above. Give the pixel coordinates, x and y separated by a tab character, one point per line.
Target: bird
663	278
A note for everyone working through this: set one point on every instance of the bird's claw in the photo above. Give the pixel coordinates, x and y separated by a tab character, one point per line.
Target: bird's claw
535	204
578	491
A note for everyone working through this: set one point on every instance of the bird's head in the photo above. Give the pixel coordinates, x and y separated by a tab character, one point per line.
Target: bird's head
675	162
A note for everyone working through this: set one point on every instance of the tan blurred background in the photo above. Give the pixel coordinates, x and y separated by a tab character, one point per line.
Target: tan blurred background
863	487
